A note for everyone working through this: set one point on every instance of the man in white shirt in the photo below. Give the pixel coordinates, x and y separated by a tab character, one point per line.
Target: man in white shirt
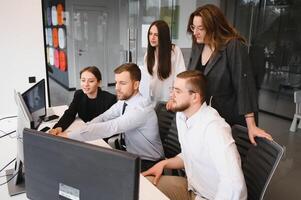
209	154
132	115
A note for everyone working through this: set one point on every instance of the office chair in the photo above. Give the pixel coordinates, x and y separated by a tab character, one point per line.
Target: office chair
258	162
168	134
297	115
168	130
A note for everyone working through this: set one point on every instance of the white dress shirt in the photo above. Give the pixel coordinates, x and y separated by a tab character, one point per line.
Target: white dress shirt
139	123
156	89
210	156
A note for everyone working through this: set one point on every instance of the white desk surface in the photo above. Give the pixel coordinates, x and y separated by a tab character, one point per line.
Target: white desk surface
8	149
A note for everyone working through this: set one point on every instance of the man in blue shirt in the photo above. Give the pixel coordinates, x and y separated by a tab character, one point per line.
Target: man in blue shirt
132	115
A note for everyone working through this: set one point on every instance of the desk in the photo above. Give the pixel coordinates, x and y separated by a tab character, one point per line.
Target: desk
147	190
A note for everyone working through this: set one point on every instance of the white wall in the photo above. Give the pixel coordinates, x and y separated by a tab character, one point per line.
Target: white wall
21	49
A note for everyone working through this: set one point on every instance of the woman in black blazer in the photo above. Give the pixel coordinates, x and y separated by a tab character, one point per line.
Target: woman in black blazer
221	54
88	103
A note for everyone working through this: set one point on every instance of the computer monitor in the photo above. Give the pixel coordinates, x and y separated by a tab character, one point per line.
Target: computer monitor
15	177
35	100
61	168
31	107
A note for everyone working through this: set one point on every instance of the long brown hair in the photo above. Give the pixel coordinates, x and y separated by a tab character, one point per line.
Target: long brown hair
164	50
218	30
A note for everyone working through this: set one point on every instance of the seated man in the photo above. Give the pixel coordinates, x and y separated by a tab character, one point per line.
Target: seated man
132	115
209	154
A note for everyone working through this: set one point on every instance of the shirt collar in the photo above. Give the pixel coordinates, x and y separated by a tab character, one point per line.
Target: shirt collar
133	99
195	117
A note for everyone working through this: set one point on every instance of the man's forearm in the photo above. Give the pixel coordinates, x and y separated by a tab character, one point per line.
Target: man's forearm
174	163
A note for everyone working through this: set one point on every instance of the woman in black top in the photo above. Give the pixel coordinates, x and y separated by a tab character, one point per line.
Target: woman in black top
88	103
221	54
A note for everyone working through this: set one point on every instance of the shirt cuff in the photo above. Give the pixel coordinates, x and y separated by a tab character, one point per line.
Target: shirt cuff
181	156
76	135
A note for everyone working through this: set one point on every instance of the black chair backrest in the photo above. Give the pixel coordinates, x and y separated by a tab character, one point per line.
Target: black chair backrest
168	130
258	162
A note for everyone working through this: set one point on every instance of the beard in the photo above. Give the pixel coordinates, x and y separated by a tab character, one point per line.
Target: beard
180	107
123	96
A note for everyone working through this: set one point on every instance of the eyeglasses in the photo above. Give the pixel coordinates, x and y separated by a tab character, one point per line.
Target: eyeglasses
179	91
197	28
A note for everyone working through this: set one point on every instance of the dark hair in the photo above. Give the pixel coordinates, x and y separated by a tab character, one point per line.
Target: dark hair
132	68
195	82
218	30
94	70
164	50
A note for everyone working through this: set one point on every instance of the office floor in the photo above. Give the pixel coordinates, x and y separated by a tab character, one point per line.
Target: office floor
286	180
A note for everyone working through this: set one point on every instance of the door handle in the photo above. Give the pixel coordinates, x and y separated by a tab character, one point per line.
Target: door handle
80	50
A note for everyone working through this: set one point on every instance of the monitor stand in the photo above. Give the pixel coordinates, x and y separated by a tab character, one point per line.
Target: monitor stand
14	189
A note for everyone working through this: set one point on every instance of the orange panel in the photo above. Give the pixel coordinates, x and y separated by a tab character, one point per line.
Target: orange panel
55	38
63	61
60	14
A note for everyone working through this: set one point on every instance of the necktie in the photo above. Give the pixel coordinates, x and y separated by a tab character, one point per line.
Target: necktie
122	138
123	108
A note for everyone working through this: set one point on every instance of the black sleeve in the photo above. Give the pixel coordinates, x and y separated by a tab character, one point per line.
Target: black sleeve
242	77
69	115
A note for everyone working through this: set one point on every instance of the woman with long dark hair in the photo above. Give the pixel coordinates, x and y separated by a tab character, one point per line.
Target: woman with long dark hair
162	61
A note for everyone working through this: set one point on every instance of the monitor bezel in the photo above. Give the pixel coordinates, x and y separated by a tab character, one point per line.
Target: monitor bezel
55	147
36	124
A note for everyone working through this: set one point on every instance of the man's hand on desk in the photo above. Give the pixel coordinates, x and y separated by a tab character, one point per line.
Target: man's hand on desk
59	132
63	134
56	131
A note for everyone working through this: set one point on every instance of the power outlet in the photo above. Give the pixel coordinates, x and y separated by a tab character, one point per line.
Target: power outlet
32	79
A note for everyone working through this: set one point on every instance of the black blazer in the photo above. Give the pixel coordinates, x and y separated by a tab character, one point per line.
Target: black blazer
79	105
230	81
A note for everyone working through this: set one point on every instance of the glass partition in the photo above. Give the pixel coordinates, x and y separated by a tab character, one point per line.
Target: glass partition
142	13
272	29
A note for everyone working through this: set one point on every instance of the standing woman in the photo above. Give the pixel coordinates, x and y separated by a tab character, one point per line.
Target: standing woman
221	54
162	62
88	102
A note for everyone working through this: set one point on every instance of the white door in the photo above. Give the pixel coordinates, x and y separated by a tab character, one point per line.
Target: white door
90	33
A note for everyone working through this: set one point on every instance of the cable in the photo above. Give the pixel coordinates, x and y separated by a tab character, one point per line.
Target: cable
2	131
5	175
13	175
13	136
6	134
7	164
8	117
9	179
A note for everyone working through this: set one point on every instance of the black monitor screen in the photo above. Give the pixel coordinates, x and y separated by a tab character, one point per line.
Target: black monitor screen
35	100
60	168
